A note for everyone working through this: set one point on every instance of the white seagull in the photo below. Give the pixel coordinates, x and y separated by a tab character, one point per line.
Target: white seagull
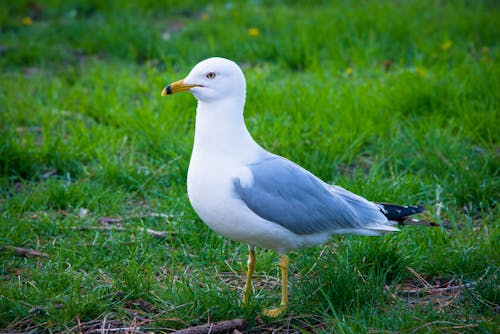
248	194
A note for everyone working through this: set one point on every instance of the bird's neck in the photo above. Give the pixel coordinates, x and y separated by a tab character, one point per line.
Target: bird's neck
220	129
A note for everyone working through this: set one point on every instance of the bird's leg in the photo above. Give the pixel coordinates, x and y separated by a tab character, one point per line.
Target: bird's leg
251	269
284	289
284	280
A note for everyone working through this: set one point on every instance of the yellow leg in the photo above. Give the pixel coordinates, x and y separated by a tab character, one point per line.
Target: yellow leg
251	269
284	289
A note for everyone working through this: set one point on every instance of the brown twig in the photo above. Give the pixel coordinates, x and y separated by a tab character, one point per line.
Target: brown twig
450	324
114	220
433	289
419	277
24	251
107	325
159	234
48	174
215	327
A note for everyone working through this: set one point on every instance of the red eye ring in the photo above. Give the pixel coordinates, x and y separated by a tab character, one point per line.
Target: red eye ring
210	75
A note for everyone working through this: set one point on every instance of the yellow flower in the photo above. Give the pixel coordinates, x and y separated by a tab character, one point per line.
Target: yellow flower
420	71
27	21
253	32
205	17
348	71
446	45
485	50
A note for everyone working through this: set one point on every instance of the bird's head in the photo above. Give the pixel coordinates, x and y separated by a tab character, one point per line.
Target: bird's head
211	80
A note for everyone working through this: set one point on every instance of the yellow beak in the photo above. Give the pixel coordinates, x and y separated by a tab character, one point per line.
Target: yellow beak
176	87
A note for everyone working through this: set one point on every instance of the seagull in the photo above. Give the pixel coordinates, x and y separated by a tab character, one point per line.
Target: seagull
250	195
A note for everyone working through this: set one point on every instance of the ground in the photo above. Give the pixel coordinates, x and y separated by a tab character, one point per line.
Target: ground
395	100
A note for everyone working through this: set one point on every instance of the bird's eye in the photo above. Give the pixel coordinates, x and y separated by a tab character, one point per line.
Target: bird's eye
210	75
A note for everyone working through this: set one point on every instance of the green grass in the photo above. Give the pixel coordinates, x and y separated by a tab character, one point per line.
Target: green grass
395	100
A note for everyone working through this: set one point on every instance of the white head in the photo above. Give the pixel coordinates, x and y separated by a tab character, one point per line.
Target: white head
212	80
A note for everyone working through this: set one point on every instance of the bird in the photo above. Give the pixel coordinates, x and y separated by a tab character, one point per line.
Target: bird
250	195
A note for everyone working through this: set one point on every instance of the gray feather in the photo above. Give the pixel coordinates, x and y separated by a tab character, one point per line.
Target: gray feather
284	193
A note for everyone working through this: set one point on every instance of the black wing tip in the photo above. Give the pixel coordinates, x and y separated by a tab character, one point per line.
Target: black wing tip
396	212
402	213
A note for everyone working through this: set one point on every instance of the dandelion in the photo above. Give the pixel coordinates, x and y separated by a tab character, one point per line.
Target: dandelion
205	17
27	21
446	45
420	71
348	71
253	32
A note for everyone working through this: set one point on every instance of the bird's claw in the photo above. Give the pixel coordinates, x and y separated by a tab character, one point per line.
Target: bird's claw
275	312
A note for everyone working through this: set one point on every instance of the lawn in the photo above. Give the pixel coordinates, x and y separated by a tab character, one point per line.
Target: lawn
397	101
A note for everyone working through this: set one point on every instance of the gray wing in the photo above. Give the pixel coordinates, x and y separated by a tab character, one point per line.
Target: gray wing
287	194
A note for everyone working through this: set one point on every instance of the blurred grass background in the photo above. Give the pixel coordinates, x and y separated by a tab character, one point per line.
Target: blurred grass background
395	100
